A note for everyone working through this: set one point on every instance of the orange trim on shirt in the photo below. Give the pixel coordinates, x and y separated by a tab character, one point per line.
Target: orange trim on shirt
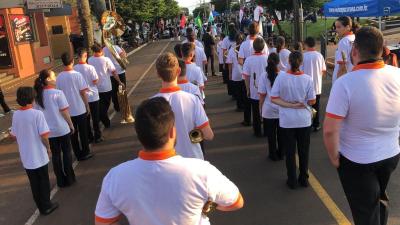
262	94
348	33
82	62
98	54
107	220
259	53
29	106
183	81
341	62
252	38
275	97
45	134
246	75
295	73
48	87
170	89
203	125
158	155
188	62
68	68
237	202
63	109
95	81
370	66
334	116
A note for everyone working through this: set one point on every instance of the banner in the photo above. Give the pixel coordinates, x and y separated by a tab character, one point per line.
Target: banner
5	57
21	26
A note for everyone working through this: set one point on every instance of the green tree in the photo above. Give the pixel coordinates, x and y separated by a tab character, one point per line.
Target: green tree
202	10
172	9
221	5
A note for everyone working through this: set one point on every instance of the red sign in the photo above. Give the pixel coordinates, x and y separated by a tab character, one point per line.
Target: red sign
21	26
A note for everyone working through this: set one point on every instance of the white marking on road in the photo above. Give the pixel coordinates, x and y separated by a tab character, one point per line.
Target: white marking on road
36	214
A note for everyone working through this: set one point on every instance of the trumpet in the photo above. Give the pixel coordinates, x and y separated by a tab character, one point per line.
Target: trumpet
209	207
196	136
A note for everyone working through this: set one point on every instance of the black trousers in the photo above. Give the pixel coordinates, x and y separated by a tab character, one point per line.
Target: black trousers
315	122
3	102
221	68
62	160
255	108
105	101
225	74
79	139
275	137
365	189
95	117
238	93
210	59
301	137
114	90
40	186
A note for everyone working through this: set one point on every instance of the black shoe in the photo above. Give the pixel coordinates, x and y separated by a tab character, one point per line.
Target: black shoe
246	124
316	129
239	110
98	140
273	157
53	207
291	184
86	157
259	135
303	182
90	140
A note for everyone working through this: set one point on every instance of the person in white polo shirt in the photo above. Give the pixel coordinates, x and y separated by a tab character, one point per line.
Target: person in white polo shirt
227	42
314	65
161	187
193	72
54	105
283	54
30	129
74	87
200	57
104	68
361	128
187	86
189	111
92	79
246	48
293	91
198	43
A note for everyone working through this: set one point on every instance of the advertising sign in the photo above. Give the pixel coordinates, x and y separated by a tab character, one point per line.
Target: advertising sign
21	26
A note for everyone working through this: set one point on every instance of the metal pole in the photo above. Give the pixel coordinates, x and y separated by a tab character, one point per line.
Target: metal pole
380	23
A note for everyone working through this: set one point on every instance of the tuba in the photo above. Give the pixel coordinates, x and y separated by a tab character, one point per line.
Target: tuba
126	112
113	25
196	136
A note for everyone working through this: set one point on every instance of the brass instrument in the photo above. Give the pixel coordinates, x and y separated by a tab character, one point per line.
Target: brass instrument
113	25
209	207
126	112
196	136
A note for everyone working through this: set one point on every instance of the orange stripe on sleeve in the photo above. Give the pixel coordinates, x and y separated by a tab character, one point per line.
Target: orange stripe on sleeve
107	220
203	125
275	97
63	109
238	200
45	134
95	81
246	75
262	94
334	116
340	62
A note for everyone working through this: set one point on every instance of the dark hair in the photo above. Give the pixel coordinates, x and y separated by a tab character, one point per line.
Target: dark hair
253	29
182	65
167	66
369	42
81	51
280	43
310	42
177	50
186	49
270	40
258	44
232	31
39	85
222	36
96	47
298	46
25	96
154	119
272	68
208	28
239	38
295	60
190	34
67	59
347	21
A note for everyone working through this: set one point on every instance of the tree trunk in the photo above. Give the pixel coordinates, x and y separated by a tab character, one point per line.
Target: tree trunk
86	23
296	24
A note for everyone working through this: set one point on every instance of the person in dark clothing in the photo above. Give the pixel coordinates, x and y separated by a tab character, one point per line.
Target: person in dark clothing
3	103
209	49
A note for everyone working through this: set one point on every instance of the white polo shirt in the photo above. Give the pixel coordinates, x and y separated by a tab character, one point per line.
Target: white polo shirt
90	75
188	87
226	43
196	42
72	83
28	125
314	65
271	50
189	114
200	57
367	100
220	53
232	58
108	54
54	102
257	13
284	60
161	188
194	74
269	109
254	67
104	68
293	87
246	48
345	45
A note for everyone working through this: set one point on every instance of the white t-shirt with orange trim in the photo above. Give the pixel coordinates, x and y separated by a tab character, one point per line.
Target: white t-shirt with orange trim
345	45
254	67
269	109
90	75
194	74
108	54
71	83
293	87
54	103
314	65
188	87
226	43
246	48
368	101
161	188
189	115
284	60
220	53
200	57
196	42
104	68
28	125
236	68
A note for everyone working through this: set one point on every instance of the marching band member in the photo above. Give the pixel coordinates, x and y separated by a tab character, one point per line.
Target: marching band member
188	109
187	86
344	27
220	53
246	48
198	43
74	87
253	67
177	50
283	54
227	42
30	129
271	47
293	91
90	75
314	65
54	105
193	72
161	187
270	111
200	57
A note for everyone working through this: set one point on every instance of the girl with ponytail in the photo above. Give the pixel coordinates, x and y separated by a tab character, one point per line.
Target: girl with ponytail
54	105
283	54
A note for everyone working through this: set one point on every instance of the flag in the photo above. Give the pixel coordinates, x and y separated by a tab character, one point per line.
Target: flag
183	21
211	18
198	21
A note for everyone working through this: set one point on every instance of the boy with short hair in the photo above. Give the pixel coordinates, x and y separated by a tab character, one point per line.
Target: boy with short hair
193	72
185	85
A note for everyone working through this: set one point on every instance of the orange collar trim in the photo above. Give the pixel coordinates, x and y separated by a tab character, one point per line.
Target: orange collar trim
183	81
252	38
82	62
188	62
295	73
311	50
348	33
258	53
29	106
170	89
68	69
48	87
370	66
98	54
158	155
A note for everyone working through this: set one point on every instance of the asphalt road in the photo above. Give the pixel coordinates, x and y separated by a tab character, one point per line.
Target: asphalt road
238	154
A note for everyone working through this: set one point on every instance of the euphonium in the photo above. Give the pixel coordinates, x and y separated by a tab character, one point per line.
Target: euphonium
196	136
126	112
209	207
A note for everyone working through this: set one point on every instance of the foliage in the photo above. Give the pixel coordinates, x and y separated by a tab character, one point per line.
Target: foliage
220	5
200	11
147	10
235	7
